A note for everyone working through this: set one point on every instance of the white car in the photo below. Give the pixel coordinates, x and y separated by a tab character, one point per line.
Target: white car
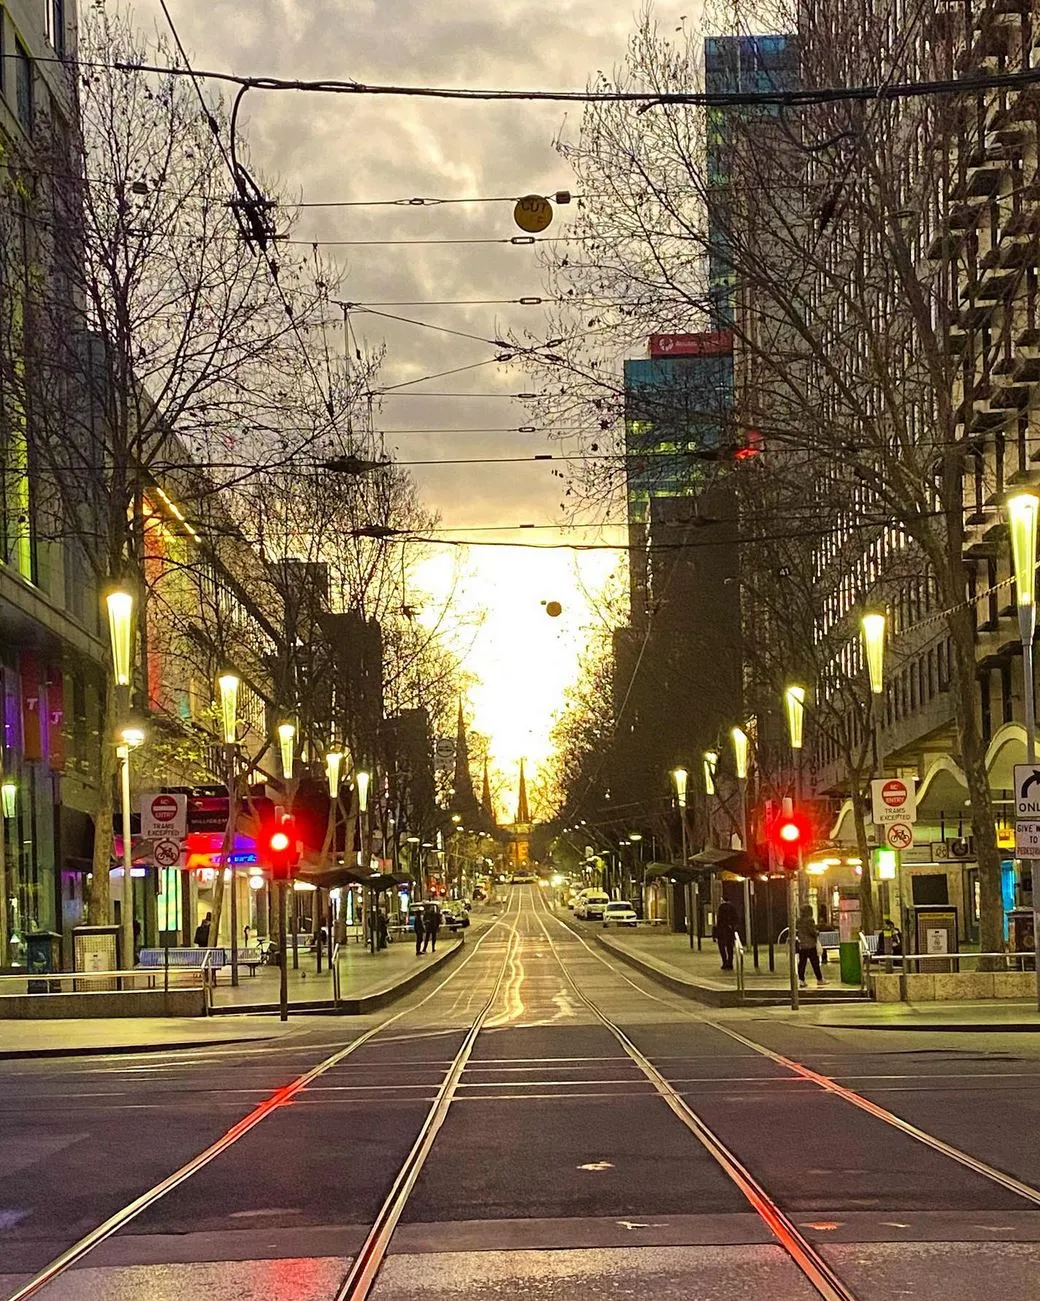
591	906
619	912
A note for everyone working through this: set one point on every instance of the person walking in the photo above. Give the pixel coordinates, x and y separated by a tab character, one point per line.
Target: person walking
382	928
433	925
807	934
727	923
419	924
202	931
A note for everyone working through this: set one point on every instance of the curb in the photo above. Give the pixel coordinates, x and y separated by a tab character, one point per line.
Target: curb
109	1050
697	993
932	1027
351	1006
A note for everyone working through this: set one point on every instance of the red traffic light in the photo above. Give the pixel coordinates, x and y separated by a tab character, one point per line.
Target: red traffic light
789	831
283	851
279	842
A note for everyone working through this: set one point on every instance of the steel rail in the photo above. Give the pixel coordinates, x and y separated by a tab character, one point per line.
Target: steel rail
279	1098
364	1270
830	1085
800	1250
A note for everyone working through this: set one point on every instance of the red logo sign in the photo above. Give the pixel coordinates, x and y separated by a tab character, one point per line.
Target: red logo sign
894	793
164	808
714	343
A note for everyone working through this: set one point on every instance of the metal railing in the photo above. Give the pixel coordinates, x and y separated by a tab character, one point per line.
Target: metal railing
892	962
335	975
738	963
117	981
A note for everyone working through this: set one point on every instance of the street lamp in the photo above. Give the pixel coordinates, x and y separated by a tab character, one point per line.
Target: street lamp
129	739
333	765
120	622
711	763
872	626
228	684
740	760
794	701
286	745
363	779
680	777
1023	508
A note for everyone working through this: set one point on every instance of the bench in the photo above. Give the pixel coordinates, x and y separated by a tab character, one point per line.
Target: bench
185	959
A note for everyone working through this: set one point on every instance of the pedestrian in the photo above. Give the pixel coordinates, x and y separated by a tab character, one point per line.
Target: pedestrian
432	926
419	923
807	934
202	931
382	928
727	923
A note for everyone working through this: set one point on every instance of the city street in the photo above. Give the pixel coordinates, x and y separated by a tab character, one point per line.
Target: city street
539	1118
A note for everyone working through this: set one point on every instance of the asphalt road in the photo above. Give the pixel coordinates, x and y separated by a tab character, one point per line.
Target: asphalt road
585	1134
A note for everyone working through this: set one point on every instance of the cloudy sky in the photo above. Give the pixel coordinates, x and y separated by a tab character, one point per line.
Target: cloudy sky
328	149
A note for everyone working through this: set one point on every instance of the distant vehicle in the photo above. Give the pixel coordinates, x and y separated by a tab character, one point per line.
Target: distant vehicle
454	918
591	905
524	878
619	912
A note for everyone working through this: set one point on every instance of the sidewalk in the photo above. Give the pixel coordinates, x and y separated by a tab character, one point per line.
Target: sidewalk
87	1036
367	980
669	959
697	974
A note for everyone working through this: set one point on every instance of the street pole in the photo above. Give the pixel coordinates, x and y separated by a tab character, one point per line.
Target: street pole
283	973
232	818
127	913
1023	508
792	909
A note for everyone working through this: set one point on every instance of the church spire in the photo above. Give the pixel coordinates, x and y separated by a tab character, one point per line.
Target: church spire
523	815
465	800
487	804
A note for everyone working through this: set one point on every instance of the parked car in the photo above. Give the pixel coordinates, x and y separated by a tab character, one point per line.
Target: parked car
591	906
619	912
455	917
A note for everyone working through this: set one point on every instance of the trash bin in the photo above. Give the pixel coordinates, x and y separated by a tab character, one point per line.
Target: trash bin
43	954
849	962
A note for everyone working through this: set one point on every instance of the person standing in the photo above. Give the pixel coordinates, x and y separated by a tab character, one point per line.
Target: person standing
726	926
433	925
202	931
419	923
382	927
807	935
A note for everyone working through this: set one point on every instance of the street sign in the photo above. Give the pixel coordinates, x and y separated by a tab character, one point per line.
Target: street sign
533	213
893	800
1027	790
1027	839
163	816
167	853
900	835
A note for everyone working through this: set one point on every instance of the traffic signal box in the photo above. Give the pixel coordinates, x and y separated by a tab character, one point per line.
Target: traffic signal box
282	847
789	834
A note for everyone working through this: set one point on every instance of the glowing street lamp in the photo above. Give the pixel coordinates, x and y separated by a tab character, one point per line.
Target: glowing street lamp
872	627
711	763
333	766
363	780
740	759
794	700
740	752
228	684
286	746
680	777
120	623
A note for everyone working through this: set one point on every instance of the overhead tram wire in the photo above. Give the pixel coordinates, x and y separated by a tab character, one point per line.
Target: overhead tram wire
797	98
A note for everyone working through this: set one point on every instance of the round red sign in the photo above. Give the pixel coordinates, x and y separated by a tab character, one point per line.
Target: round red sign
894	793
164	808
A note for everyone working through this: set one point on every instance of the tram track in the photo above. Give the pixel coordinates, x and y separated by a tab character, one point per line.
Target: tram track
826	1083
276	1101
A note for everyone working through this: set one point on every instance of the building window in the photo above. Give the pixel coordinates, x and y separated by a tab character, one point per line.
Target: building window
54	23
23	75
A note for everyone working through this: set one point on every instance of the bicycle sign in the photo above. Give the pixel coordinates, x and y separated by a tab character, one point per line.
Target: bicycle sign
900	835
167	853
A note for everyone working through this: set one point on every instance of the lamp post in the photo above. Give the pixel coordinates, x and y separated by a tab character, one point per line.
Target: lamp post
872	629
794	702
120	605
740	760
362	780
129	739
680	777
1023	507
228	685
287	756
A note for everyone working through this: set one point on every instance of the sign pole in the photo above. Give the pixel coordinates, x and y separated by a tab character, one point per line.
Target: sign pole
792	923
283	965
1027	627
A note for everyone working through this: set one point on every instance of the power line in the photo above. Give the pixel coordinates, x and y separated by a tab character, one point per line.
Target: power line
518	240
412	203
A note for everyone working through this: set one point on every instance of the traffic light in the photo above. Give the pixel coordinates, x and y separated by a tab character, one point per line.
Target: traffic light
789	835
283	849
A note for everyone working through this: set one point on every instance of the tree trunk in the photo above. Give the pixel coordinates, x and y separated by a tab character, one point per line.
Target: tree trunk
99	896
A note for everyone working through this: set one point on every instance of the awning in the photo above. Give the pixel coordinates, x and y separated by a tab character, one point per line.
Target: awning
728	860
332	878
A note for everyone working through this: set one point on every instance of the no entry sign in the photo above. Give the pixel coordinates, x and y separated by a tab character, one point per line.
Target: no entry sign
163	816
893	800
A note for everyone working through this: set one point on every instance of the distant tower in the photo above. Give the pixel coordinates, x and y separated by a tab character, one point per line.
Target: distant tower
520	832
487	804
464	800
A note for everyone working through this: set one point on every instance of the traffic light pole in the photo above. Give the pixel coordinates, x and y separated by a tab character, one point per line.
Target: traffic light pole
283	965
792	924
